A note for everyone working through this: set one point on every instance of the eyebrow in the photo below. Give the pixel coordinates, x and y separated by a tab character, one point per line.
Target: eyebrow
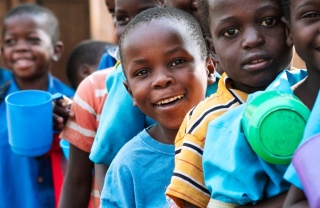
140	61
258	11
306	3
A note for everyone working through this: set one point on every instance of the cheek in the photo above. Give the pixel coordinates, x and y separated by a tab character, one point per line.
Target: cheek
119	31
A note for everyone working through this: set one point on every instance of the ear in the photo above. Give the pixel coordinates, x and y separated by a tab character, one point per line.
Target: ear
289	40
211	67
57	51
126	85
85	70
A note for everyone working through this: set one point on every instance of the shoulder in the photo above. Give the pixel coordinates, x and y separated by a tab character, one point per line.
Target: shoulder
57	85
131	150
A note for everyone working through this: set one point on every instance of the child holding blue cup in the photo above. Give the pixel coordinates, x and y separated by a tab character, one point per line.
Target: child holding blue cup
30	46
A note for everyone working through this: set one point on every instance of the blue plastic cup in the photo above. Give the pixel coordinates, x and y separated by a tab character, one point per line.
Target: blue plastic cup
65	146
29	118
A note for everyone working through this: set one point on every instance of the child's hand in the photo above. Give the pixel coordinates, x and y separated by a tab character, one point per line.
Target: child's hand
61	112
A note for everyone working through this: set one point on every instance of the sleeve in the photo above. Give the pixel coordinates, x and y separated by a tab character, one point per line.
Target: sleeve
233	173
106	61
81	130
120	120
187	181
118	186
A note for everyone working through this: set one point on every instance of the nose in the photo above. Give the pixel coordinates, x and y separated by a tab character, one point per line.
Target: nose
252	38
162	79
21	45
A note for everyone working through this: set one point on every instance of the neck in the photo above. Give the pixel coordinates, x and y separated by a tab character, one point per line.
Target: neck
163	135
39	83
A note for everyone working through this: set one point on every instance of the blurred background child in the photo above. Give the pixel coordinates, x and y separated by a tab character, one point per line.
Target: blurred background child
84	60
31	44
80	129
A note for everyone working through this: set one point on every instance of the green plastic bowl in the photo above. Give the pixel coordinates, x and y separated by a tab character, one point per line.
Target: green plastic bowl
273	123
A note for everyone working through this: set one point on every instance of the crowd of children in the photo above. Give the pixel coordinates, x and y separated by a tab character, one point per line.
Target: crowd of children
159	125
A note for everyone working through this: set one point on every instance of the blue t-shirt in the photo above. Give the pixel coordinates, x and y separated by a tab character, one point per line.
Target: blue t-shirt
25	181
120	120
139	174
109	58
233	173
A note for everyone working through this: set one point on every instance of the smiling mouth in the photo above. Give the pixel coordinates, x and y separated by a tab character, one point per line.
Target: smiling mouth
23	63
169	100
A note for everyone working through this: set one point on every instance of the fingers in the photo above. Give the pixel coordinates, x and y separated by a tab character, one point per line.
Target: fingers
61	112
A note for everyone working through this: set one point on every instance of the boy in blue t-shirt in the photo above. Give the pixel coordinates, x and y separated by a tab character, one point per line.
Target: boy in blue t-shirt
30	46
167	69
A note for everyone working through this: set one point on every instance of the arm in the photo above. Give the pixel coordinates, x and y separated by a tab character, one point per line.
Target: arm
77	184
101	171
295	199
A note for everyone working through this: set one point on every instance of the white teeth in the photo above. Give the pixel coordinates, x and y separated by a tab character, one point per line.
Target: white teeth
257	61
169	100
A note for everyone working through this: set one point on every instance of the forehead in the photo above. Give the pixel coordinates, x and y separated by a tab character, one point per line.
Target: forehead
134	4
178	3
223	10
156	35
25	21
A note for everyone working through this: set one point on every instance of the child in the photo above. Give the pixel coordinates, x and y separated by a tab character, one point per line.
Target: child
302	20
251	49
233	173
31	44
166	65
80	130
105	147
84	60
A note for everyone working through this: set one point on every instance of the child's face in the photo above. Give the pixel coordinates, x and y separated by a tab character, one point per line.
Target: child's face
27	47
249	40
304	27
111	6
166	75
126	10
190	6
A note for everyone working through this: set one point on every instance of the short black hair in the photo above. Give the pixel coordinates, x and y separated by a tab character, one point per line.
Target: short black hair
285	6
86	52
173	15
51	21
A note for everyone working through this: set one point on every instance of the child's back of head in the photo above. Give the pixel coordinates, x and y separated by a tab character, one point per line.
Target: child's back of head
84	60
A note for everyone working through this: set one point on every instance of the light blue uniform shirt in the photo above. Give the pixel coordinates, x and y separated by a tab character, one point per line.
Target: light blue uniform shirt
139	175
233	173
120	121
311	129
25	181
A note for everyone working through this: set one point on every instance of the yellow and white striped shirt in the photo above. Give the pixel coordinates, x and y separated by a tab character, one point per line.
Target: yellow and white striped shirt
187	182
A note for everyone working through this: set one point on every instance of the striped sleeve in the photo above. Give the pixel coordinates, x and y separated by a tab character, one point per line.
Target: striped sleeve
87	106
187	182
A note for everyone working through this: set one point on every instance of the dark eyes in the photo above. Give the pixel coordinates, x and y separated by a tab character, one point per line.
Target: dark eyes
13	41
142	72
178	62
311	15
231	32
122	19
269	22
